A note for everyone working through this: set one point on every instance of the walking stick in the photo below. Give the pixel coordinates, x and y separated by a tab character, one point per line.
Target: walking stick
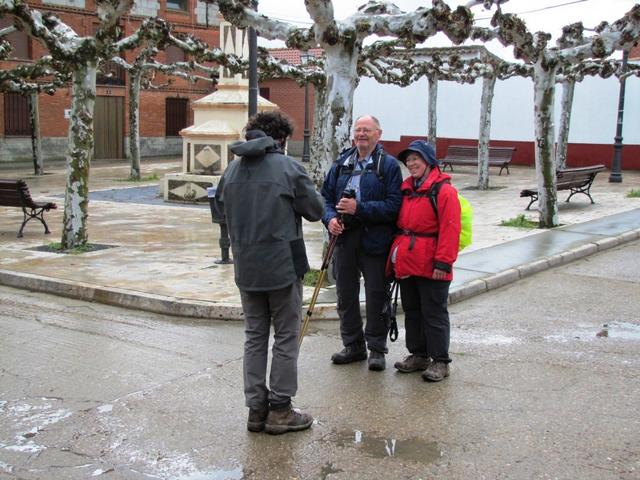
314	297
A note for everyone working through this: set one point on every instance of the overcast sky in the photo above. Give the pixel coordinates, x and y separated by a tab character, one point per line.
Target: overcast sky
546	15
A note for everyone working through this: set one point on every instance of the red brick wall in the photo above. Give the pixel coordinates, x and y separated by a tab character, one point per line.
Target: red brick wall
579	154
290	98
152	107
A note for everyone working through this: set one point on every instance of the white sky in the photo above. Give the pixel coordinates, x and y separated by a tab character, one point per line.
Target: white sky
536	14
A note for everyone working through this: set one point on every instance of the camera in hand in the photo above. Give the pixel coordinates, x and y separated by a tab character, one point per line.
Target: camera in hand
349	193
349	221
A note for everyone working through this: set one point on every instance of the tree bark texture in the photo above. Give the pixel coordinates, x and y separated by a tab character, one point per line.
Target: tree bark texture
432	114
544	90
484	134
568	88
36	145
79	156
134	122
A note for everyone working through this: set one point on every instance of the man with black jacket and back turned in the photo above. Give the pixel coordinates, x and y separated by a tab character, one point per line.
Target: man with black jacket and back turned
264	196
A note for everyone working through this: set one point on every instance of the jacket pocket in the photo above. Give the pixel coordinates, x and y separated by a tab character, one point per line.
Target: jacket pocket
299	257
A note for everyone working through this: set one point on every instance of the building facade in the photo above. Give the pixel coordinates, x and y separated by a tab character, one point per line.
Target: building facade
164	109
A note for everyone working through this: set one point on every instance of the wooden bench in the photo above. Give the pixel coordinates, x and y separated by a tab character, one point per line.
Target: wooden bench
577	180
467	155
15	193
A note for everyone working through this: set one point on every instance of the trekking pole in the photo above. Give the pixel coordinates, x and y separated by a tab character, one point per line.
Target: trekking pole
314	297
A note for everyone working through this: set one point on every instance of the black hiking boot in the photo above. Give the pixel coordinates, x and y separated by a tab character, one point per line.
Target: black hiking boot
376	361
257	419
349	354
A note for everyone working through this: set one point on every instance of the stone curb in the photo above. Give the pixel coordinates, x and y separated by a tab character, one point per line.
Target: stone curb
184	307
505	277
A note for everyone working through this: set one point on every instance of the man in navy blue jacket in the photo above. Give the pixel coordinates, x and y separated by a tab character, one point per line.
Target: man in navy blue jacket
365	225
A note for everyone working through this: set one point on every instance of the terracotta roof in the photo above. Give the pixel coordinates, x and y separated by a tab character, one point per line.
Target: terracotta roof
292	55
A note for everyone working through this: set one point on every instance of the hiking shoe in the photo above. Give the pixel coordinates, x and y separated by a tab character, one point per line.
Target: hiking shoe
412	363
349	354
257	419
376	361
287	420
435	372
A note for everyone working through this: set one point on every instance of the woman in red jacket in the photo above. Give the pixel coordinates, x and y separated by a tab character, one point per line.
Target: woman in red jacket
422	257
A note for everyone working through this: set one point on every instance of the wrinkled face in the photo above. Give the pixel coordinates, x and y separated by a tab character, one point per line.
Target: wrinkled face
366	134
416	165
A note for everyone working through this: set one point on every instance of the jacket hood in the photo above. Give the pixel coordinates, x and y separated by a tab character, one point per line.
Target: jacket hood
435	175
257	147
422	148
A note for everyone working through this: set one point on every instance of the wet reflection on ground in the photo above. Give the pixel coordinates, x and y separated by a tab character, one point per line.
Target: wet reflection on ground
411	449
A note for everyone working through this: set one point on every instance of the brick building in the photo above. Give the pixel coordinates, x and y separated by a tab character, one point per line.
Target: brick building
289	96
163	111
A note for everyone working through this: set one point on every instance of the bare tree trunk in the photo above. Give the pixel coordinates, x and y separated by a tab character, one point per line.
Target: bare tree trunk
36	146
484	135
134	123
543	97
338	105
79	156
316	169
568	89
432	120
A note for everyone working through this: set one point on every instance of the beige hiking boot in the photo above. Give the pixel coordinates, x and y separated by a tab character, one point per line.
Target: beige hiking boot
435	372
412	363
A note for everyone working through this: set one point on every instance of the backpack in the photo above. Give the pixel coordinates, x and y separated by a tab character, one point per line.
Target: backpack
466	213
377	163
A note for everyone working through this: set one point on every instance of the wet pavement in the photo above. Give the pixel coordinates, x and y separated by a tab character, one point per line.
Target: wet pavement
544	384
162	257
544	380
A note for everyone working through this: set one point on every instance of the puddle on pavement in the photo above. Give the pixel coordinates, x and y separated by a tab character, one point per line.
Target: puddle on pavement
411	449
620	330
233	474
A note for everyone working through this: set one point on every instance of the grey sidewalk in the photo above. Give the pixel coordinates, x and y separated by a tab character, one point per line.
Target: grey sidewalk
162	256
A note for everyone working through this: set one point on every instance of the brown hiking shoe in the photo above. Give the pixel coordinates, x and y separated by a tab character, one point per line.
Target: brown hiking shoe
257	419
413	363
435	372
287	420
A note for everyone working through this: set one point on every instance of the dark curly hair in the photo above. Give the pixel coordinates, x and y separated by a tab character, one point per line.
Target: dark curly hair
275	124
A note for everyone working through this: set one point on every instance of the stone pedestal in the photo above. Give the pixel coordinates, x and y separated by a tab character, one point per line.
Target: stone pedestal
219	120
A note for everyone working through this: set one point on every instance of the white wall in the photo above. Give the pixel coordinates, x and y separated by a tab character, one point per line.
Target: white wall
403	111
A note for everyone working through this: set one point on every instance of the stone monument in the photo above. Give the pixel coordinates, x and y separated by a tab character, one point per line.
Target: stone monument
219	119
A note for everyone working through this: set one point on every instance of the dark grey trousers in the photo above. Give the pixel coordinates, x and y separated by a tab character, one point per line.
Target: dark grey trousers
350	262
283	309
426	317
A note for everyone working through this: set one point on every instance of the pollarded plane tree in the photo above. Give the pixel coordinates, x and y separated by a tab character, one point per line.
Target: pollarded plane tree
571	74
81	56
458	64
342	42
571	48
42	76
145	65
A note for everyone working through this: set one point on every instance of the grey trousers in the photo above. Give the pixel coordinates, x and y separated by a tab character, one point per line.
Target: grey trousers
283	309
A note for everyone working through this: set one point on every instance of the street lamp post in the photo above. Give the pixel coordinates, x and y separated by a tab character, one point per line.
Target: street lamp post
616	165
253	67
305	56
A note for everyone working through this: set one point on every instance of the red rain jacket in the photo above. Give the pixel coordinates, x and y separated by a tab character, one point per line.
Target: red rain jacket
425	240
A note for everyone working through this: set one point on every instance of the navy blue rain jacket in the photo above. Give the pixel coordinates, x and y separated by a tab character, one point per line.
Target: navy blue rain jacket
379	203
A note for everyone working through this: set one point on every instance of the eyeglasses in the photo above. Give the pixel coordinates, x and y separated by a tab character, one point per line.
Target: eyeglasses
365	130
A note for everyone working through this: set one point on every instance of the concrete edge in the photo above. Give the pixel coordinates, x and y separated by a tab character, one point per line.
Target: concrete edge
184	307
511	275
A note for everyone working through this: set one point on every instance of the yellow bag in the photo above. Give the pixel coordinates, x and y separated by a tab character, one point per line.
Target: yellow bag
466	222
